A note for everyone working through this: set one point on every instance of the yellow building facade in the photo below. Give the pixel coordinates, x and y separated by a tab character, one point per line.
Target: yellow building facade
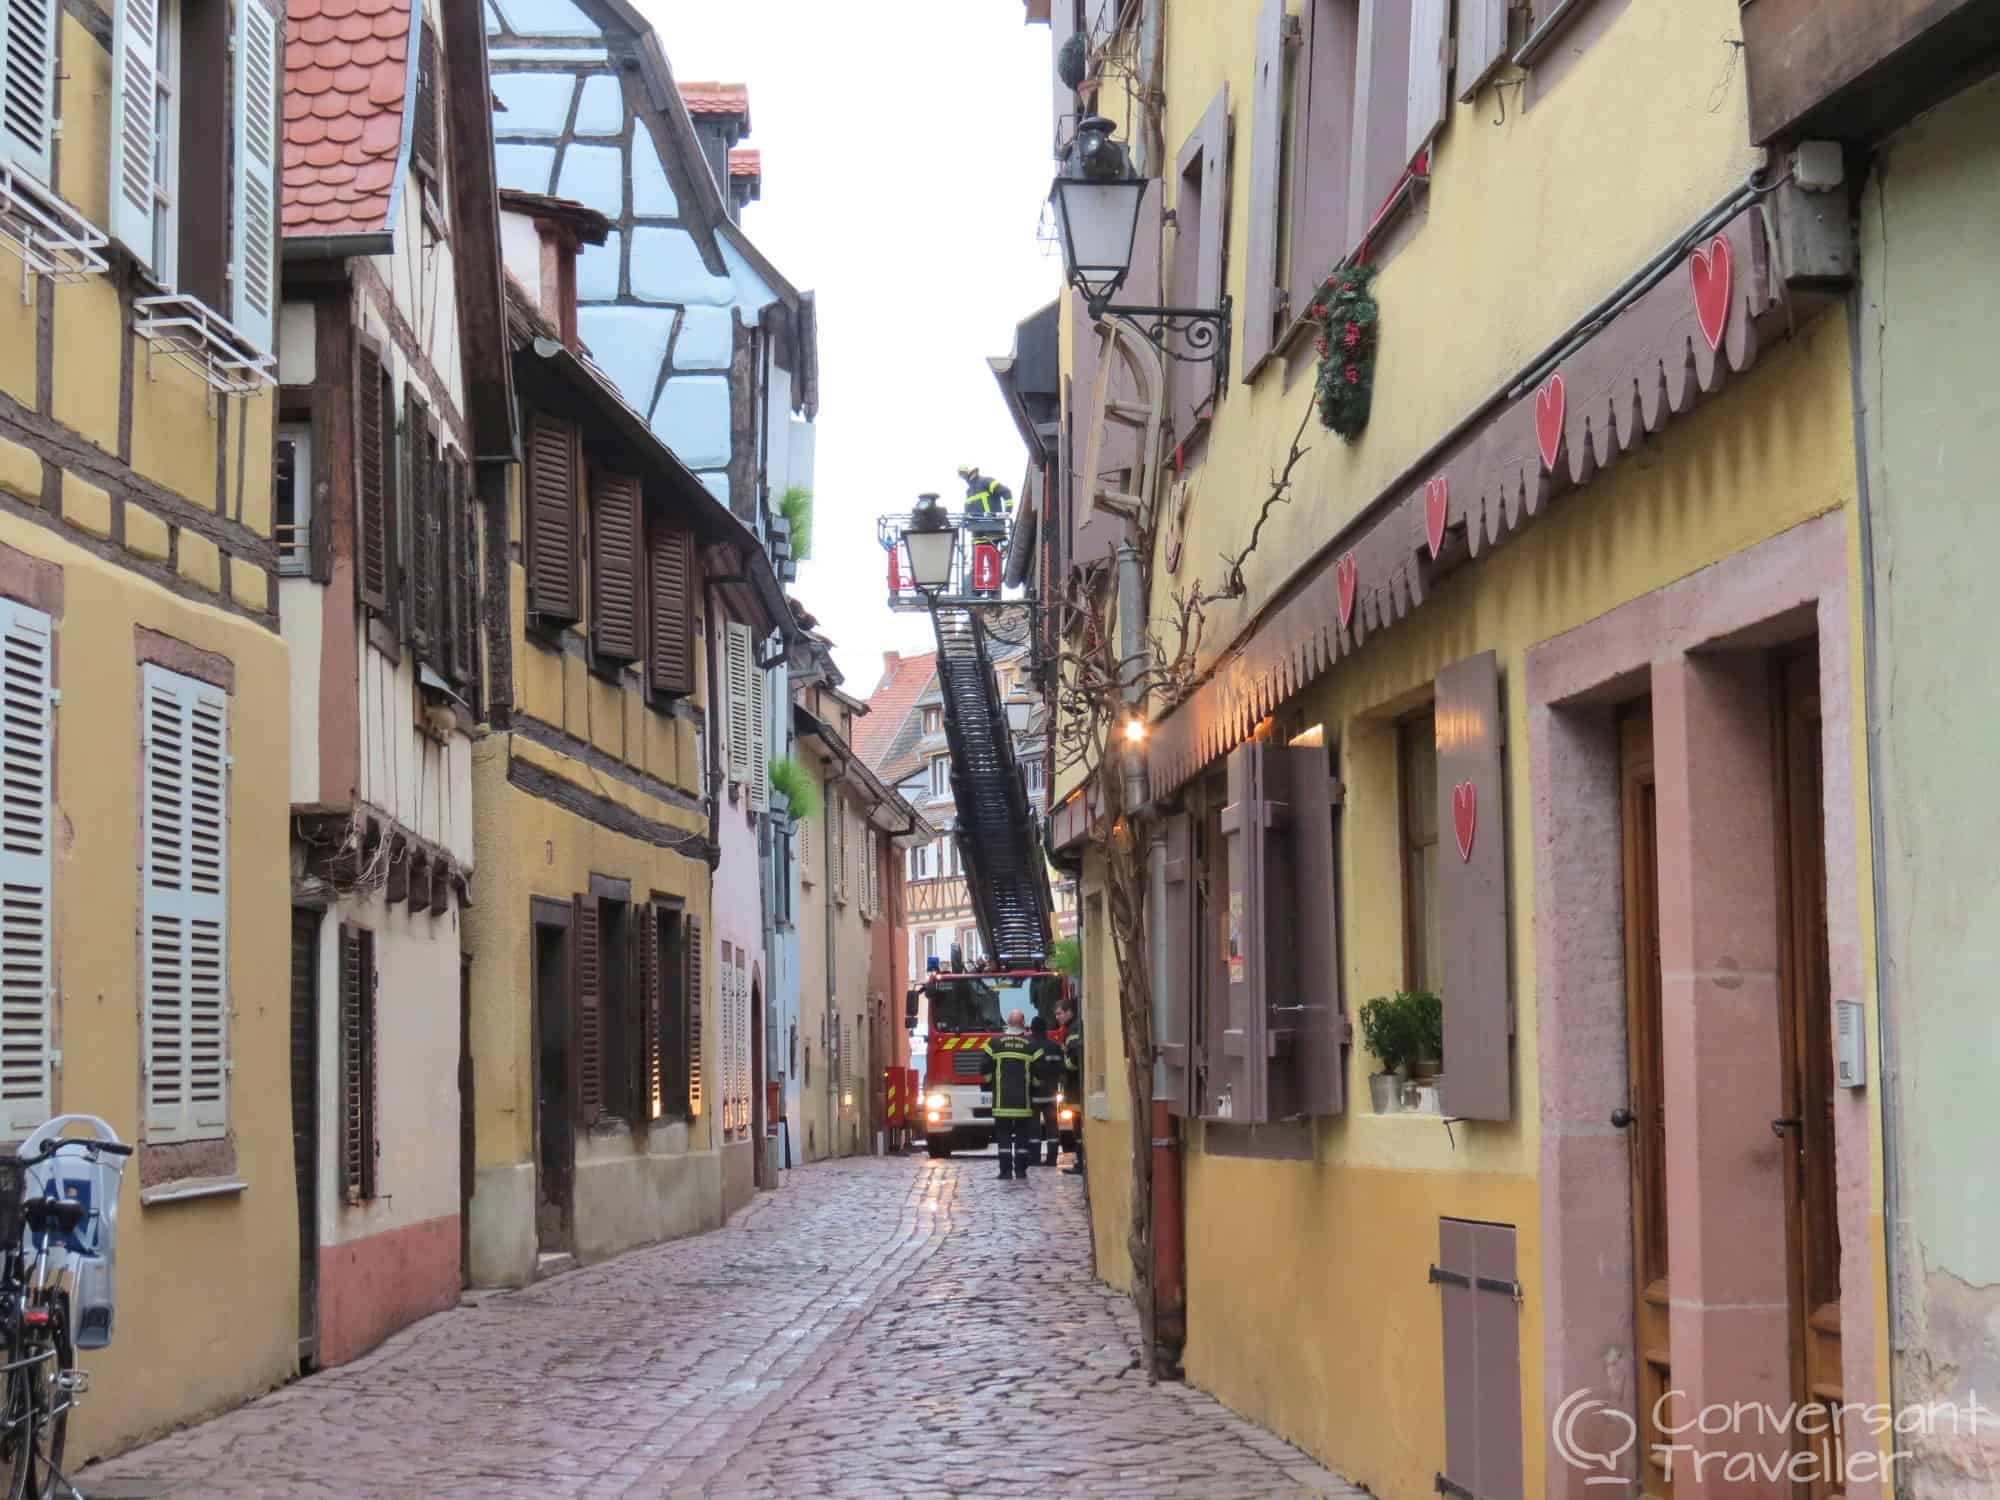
145	758
1539	693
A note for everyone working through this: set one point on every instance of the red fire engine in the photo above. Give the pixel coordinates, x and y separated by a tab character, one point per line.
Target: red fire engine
960	1011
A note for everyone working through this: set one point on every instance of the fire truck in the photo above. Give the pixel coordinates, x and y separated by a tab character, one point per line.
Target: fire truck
961	1011
952	570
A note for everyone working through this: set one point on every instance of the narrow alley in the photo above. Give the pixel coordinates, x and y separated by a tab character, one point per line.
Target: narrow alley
877	1328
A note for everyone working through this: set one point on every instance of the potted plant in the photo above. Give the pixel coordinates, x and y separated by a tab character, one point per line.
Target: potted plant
1385	1031
1424	1015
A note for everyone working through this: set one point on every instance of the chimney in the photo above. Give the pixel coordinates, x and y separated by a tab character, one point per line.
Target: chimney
890	661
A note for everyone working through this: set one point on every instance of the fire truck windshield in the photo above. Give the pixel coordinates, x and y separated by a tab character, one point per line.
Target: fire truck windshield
980	1002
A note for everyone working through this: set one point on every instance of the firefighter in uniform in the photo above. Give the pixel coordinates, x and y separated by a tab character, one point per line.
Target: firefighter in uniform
1048	1073
987	502
1009	1069
1072	1053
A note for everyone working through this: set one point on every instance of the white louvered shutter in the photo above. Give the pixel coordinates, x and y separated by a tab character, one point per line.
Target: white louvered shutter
135	45
186	840
26	974
760	735
28	85
253	235
736	687
1430	67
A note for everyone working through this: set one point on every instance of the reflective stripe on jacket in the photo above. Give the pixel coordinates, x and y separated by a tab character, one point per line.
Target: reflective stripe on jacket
1010	1061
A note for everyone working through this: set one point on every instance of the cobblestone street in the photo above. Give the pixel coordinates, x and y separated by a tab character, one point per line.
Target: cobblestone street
875	1328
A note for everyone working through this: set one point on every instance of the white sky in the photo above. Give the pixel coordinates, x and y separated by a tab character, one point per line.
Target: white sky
906	158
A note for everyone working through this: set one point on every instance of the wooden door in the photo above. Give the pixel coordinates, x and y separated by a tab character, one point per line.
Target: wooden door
1645	1116
1806	995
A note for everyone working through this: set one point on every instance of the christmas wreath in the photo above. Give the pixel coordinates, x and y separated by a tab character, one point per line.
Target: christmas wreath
1348	324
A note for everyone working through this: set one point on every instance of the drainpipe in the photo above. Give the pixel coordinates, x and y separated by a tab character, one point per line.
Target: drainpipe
832	1022
708	729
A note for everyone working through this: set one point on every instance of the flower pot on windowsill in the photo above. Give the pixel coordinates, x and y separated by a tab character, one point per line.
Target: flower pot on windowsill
1424	1096
1423	1069
1385	1092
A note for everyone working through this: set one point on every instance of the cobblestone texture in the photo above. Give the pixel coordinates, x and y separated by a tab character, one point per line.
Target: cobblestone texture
877	1327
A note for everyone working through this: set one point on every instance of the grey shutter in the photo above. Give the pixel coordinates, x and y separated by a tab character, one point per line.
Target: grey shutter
1208	285
1257	1068
1482	43
1476	1279
374	444
587	964
1322	138
614	564
1322	1020
28	87
1430	68
1179	978
27	978
253	231
465	609
135	43
1120	448
1472	891
421	477
1092	533
669	622
357	1064
1261	296
1381	111
551	477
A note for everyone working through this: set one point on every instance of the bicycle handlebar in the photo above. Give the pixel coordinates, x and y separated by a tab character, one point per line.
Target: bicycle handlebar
115	1148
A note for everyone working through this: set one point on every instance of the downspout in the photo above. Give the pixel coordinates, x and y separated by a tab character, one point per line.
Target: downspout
1885	1039
714	740
832	1023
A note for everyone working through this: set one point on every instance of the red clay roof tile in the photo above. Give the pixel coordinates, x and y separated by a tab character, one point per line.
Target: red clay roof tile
346	75
745	161
717	99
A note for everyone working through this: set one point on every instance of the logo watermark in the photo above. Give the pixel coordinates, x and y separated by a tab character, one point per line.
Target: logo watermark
1747	1441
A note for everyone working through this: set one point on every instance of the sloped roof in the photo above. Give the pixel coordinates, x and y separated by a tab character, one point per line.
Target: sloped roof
889	712
717	99
347	73
745	161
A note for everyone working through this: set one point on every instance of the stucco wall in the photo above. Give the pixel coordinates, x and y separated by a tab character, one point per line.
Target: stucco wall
1929	217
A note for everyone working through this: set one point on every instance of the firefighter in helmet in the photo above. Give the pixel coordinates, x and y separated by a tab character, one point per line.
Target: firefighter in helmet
1009	1068
987	502
1072	1084
1048	1073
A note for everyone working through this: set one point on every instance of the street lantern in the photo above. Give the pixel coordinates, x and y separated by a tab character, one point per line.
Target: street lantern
932	540
1096	197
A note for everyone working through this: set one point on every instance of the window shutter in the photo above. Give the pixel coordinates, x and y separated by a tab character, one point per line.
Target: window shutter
1381	113
614	564
760	735
1472	890
1179	976
669	620
1062	26
589	990
691	1043
553	590
806	872
1214	199
424	132
422	566
1476	1277
27	977
1258	1066
135	43
653	989
736	685
253	233
1322	141
1430	71
1261	295
28	87
1093	533
1482	43
1315	919
465	634
357	1064
371	450
185	756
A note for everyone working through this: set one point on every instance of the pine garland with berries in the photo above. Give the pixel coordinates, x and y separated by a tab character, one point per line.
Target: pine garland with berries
1349	322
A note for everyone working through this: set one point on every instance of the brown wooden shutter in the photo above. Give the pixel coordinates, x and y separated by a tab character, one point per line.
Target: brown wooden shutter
653	999
553	586
374	445
1472	890
1480	1315
691	1043
614	564
1179	979
1322	140
1315	919
424	134
357	1064
587	960
670	610
465	622
1257	1069
1482	43
1262	296
422	470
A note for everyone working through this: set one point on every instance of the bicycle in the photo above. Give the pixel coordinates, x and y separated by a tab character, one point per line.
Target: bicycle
42	1381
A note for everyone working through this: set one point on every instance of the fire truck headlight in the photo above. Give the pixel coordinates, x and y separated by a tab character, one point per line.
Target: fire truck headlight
1067	1116
936	1102
934	1117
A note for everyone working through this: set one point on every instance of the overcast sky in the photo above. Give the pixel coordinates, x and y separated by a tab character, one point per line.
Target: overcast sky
906	159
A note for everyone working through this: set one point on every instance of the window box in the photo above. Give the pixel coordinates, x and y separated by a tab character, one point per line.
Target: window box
186	331
52	239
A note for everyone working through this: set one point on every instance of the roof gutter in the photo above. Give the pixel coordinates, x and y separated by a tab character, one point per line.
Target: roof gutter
308	247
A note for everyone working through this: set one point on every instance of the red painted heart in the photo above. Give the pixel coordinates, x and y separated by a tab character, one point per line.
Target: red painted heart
1343	580
1708	271
1549	419
1465	816
1436	496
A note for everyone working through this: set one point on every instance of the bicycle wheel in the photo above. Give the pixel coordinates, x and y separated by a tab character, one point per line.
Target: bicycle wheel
50	1396
17	1416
